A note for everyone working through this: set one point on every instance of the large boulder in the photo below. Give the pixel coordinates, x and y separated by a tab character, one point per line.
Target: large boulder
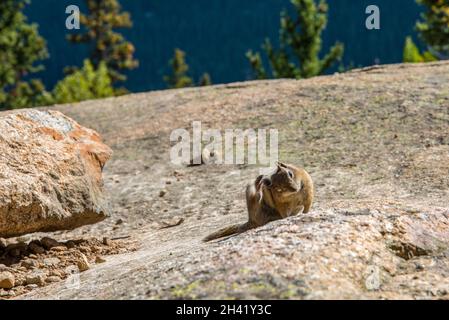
50	173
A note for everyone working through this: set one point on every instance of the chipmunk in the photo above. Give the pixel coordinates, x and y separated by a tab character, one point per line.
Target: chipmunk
285	193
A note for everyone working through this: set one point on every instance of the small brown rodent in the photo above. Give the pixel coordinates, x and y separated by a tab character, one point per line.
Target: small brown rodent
285	193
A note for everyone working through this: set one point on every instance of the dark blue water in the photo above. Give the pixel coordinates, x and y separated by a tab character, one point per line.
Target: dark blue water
217	33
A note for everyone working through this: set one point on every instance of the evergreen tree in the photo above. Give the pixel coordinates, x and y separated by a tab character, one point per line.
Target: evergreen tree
205	80
103	18
413	55
179	77
84	84
21	47
300	44
434	27
28	94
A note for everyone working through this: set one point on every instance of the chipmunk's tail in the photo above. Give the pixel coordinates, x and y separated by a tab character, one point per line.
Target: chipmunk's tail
228	231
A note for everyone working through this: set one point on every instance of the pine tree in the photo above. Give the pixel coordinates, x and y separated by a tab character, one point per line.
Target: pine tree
103	18
300	44
21	47
434	27
179	77
205	80
28	94
413	55
84	84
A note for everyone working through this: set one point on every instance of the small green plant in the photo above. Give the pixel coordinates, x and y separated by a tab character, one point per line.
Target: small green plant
205	80
84	84
413	55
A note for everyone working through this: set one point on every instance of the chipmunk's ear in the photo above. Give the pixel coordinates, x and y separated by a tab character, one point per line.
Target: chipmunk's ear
281	165
278	167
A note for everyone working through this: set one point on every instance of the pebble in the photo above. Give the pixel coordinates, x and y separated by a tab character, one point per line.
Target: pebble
15	253
419	266
37	278
48	261
31	286
7	280
177	173
162	193
95	249
52	279
16	249
59	249
49	243
4	293
84	249
30	263
99	259
83	263
51	262
19	282
3	243
3	267
35	248
106	241
70	244
57	273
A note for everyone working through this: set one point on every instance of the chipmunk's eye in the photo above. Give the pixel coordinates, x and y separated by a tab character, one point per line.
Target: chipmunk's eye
268	182
290	174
